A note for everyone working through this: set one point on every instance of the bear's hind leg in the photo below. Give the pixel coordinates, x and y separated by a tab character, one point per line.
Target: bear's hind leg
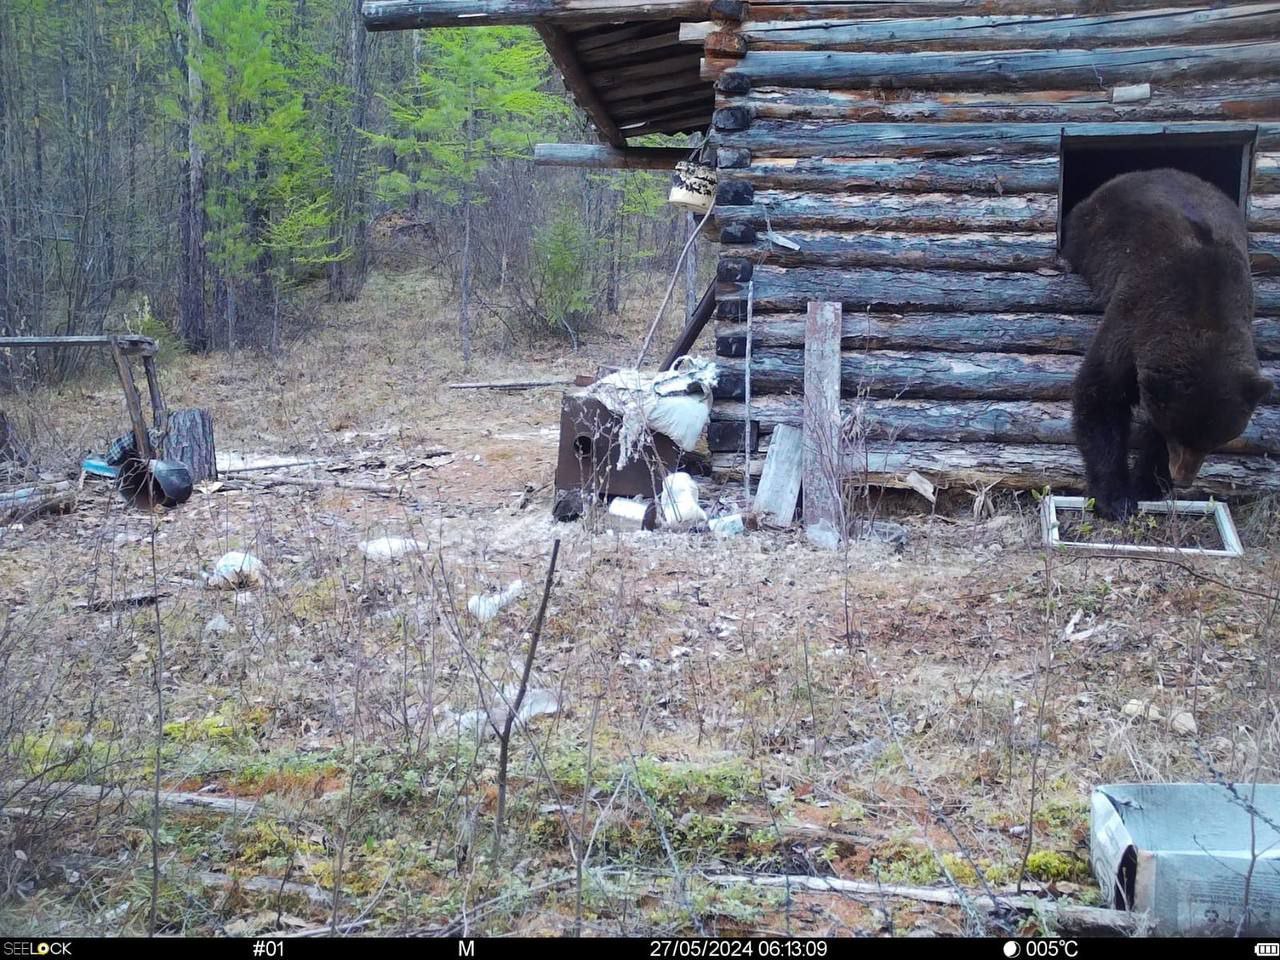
1101	414
1151	480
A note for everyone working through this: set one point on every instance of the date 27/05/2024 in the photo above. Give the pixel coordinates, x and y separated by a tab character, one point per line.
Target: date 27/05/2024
781	949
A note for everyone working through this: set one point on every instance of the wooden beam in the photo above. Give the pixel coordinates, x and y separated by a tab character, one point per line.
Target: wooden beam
416	14
560	46
1006	70
1025	466
893	211
821	482
842	138
1235	100
1021	32
600	157
133	401
963	421
128	344
701	314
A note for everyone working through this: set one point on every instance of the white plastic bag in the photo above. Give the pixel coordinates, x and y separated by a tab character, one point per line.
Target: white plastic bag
675	402
235	570
678	504
486	606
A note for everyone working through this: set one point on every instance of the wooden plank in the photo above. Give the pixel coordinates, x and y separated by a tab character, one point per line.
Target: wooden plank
951	333
1021	32
133	402
779	489
159	415
694	121
1007	70
602	157
965	174
940	212
780	289
835	138
946	251
966	421
575	79
381	15
1235	100
1017	466
676	101
697	322
821	484
129	344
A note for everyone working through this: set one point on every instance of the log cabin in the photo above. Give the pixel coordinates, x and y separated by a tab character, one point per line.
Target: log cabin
913	161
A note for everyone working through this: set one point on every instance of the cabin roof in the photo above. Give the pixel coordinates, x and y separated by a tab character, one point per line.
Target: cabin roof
622	60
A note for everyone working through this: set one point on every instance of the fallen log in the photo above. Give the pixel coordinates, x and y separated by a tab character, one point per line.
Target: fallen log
512	384
275	479
1063	917
68	793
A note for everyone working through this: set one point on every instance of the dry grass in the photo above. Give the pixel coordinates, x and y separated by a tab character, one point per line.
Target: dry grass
727	705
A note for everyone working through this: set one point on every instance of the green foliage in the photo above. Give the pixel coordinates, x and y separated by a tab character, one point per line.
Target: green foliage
478	102
563	251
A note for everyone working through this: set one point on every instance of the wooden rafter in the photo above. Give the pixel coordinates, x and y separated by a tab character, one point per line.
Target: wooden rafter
599	156
561	49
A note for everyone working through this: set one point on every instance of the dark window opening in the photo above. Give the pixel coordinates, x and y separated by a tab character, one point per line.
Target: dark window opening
1223	159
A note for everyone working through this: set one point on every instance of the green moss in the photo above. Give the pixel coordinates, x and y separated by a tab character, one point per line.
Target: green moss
1047	865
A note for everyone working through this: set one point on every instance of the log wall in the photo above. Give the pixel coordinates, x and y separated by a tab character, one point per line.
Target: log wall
903	160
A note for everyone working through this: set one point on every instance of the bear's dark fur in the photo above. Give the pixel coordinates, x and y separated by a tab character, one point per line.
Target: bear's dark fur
1167	255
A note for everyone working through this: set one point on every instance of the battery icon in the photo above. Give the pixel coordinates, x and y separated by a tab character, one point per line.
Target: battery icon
1266	949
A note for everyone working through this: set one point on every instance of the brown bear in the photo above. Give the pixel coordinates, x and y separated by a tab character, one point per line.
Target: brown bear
1167	255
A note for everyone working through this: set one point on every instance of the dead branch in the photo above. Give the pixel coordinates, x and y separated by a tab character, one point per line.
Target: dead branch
274	479
1066	918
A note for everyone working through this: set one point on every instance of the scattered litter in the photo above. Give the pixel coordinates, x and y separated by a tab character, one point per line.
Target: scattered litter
537	703
675	403
679	501
486	606
779	240
1192	856
626	516
1132	93
823	534
730	526
391	548
236	570
921	486
217	627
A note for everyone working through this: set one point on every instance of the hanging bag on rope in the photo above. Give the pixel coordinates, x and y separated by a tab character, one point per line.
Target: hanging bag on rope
693	187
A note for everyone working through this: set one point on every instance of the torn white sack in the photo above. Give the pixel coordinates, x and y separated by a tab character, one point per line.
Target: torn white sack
675	402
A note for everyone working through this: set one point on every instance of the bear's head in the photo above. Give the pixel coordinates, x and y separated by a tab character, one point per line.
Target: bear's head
1197	411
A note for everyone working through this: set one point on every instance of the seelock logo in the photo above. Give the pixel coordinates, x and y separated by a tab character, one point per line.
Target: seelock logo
36	948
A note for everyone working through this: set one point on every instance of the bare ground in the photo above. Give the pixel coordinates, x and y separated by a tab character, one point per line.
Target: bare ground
755	705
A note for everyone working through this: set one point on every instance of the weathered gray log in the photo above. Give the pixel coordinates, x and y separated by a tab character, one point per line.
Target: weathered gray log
926	375
599	157
951	332
967	421
1229	100
966	174
20	504
894	211
894	373
836	138
1007	70
1264	212
417	14
584	91
790	288
820	483
190	442
861	9
951	251
779	489
1266	173
1017	32
1020	466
